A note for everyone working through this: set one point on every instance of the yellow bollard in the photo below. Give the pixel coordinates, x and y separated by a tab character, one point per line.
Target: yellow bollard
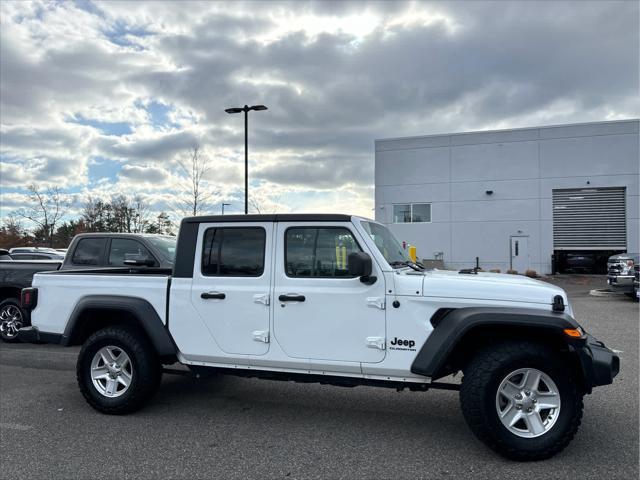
413	255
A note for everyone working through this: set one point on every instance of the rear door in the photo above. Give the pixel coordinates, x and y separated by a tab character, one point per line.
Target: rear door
231	284
321	313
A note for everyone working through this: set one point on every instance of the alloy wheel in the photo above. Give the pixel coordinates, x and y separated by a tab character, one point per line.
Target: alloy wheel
111	371
528	403
10	320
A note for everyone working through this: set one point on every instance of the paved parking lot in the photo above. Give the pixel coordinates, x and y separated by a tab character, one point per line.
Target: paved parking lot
244	428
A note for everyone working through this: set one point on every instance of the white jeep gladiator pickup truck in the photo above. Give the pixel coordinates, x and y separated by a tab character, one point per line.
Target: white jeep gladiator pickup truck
330	299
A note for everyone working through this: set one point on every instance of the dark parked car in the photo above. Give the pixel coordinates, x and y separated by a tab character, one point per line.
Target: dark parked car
580	262
87	251
35	253
36	256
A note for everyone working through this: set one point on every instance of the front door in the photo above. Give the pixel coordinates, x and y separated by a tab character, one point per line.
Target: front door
230	289
321	313
520	254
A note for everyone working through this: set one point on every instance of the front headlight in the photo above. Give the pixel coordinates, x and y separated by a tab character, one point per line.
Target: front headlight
627	268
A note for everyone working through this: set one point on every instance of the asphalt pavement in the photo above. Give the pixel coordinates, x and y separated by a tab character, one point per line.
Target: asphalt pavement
228	427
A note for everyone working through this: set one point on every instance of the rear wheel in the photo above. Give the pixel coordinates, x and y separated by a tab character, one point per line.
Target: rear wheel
118	370
520	400
12	319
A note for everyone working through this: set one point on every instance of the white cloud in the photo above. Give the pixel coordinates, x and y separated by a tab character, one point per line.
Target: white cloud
335	76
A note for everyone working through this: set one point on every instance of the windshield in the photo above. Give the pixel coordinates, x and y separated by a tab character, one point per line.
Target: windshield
166	246
386	243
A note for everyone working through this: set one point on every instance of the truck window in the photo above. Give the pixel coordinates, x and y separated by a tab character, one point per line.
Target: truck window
233	252
89	251
318	252
126	249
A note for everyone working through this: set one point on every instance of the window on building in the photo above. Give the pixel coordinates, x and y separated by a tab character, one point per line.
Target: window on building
412	213
319	252
233	252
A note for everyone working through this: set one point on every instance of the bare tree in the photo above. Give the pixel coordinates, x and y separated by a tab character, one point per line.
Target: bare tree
46	210
193	172
255	205
259	206
141	214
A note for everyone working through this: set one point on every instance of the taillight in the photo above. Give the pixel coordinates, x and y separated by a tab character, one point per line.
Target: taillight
29	298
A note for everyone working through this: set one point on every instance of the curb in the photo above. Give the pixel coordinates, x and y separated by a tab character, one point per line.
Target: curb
603	292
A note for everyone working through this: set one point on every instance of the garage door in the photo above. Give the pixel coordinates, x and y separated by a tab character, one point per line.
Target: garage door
589	219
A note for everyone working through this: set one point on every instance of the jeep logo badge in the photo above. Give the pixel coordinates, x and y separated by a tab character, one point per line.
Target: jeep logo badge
399	344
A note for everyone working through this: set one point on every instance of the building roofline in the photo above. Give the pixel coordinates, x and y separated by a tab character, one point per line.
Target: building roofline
504	130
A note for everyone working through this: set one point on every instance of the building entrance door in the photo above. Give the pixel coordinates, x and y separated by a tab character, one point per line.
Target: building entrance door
520	254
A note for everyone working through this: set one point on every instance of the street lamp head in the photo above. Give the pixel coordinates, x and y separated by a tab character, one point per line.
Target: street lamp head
258	107
233	110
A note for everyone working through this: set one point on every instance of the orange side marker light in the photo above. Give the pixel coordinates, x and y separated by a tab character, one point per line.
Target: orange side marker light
572	332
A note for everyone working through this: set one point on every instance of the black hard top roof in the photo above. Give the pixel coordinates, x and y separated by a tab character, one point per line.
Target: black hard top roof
278	217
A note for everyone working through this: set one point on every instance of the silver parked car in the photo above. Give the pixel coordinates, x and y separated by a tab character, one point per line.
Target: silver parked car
620	272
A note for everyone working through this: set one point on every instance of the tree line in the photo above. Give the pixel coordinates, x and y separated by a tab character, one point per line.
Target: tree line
120	214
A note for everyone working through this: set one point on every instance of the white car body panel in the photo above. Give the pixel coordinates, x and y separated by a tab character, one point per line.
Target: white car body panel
232	321
59	294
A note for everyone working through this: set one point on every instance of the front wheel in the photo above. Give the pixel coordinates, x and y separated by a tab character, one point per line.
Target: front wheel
118	370
520	400
12	319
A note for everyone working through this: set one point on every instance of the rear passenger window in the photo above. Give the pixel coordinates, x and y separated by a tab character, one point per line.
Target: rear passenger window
126	249
319	252
233	252
89	251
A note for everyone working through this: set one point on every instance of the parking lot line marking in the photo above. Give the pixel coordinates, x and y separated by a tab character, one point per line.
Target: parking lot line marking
15	426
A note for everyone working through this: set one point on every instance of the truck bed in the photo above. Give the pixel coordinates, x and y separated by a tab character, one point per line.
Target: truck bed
60	292
19	273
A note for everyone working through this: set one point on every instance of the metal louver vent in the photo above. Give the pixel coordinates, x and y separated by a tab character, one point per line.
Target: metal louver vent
589	219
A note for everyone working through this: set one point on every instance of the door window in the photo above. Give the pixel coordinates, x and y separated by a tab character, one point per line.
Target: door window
127	249
89	251
235	252
318	252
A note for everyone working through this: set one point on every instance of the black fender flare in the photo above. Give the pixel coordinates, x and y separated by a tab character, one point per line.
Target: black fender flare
146	316
451	327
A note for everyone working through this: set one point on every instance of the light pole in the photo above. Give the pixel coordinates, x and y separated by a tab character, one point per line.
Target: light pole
224	205
246	109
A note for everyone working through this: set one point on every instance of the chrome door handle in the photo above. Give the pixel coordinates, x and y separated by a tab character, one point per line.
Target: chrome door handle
292	297
212	295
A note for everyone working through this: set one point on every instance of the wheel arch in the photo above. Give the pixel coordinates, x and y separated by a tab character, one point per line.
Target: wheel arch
459	334
95	312
10	291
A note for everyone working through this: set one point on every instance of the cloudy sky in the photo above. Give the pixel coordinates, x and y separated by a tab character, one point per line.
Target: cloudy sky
106	97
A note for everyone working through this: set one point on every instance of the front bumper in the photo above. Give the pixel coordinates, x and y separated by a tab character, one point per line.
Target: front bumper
620	283
600	365
34	335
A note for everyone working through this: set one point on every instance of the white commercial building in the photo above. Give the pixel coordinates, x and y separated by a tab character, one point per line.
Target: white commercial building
513	198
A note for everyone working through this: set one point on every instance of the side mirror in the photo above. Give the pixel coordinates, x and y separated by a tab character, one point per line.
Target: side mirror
360	266
139	261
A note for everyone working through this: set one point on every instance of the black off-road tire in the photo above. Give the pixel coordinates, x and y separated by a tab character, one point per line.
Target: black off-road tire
147	370
13	305
482	378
